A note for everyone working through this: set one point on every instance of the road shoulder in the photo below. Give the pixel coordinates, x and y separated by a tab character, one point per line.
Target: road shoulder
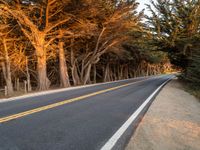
172	122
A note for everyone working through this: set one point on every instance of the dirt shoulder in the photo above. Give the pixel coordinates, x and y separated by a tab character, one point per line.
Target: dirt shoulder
171	123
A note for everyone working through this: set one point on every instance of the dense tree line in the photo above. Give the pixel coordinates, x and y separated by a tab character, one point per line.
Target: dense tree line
74	42
175	25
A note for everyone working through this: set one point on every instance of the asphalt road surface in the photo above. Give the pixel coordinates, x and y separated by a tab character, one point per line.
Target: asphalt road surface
78	119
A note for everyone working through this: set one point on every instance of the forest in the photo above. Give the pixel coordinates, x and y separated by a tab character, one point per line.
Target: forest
46	44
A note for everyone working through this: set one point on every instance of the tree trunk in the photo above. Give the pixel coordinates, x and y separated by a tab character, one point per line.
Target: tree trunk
126	72
7	70
121	72
74	70
111	74
64	77
1	79
75	76
147	73
106	73
95	74
43	81
87	75
28	77
18	85
7	77
114	74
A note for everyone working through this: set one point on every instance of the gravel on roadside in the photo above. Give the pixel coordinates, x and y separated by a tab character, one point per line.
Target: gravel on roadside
171	123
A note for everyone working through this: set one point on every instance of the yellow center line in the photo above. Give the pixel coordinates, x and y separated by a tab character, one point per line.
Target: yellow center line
39	109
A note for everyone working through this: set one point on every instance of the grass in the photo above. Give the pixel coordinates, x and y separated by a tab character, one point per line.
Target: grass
193	89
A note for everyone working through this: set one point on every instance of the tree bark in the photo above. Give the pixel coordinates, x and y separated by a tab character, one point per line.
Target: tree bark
64	77
87	75
75	76
29	88
43	81
107	73
7	70
74	70
95	74
8	78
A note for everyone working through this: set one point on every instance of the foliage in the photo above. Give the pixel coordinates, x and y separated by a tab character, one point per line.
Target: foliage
175	25
67	42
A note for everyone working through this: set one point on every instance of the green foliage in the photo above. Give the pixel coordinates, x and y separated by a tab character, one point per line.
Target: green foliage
193	70
175	25
156	57
142	46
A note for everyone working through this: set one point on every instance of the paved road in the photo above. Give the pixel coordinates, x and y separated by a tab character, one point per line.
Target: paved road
84	123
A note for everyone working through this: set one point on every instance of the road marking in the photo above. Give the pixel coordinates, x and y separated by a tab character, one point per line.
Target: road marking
61	90
39	109
113	140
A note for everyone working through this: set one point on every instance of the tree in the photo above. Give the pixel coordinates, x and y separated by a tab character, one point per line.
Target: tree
5	40
67	42
100	21
39	23
12	55
64	76
176	25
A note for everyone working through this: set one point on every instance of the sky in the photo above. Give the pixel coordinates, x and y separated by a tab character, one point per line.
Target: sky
142	5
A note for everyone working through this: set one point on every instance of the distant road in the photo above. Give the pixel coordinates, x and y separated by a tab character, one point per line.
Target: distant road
90	118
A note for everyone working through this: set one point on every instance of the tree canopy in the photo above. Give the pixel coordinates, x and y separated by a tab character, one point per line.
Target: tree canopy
175	26
74	42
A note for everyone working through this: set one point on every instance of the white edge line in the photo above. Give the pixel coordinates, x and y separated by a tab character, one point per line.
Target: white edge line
61	90
113	140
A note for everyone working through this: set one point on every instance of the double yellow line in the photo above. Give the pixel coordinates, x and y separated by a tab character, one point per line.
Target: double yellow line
39	109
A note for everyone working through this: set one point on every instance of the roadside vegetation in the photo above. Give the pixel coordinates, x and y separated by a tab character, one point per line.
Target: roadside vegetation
176	28
61	43
194	90
190	87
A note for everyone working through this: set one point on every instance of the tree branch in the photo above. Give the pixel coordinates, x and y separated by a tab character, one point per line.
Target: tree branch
55	25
